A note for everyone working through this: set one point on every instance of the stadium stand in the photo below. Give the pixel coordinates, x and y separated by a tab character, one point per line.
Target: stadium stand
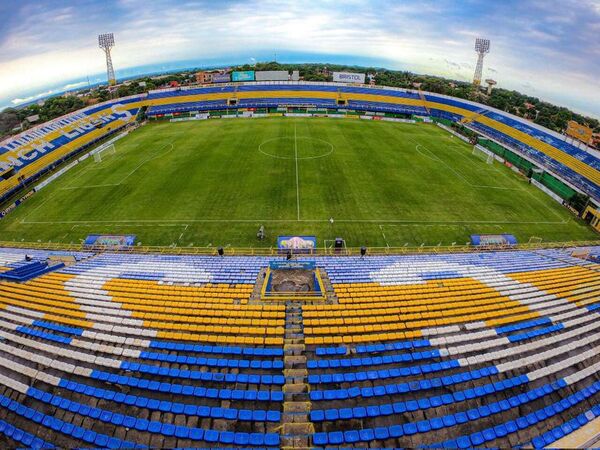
34	152
39	149
491	348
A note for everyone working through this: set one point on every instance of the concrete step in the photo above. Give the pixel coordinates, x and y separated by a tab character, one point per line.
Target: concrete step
295	388
294	349
294	362
295	373
294	418
296	407
298	429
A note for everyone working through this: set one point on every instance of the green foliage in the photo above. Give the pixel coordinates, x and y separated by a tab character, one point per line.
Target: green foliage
383	183
9	118
542	113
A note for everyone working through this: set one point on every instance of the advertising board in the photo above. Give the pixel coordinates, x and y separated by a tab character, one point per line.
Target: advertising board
272	75
247	75
221	78
348	77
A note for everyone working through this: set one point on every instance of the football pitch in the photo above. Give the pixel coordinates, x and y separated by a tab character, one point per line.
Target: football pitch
214	183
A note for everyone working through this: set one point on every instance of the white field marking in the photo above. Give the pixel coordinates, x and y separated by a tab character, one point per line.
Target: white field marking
91	167
331	148
93	224
455	147
508	176
69	187
184	230
126	176
89	186
384	238
175	222
297	182
512	179
457	173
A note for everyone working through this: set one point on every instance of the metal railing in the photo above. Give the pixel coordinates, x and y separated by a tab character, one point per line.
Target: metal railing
272	251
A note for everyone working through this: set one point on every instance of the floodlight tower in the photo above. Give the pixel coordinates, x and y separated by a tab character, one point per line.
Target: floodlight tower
482	46
106	42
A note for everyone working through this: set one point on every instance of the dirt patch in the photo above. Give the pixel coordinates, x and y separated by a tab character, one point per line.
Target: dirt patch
292	281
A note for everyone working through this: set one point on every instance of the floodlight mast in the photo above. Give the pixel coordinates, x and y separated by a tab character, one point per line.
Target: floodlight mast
482	47
106	42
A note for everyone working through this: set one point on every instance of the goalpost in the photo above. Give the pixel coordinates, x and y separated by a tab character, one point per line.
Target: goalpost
108	149
483	153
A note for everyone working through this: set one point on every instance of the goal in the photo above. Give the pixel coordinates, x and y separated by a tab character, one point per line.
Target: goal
106	150
484	154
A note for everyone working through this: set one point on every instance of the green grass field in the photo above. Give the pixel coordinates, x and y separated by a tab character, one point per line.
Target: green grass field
213	183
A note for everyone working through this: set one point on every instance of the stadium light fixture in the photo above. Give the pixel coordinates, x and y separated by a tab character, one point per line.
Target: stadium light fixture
106	42
482	47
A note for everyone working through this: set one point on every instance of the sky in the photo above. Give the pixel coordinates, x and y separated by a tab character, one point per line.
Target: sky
545	48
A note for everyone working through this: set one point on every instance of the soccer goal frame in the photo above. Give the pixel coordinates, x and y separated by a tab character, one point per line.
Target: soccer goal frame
483	154
109	149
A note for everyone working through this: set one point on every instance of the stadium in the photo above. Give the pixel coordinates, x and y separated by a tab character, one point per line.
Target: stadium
263	261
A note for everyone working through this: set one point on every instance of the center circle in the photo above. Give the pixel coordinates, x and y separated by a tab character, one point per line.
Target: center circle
299	147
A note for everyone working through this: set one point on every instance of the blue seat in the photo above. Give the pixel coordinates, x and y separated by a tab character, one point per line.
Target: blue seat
366	435
168	429
211	436
351	436
317	415
320	438
226	437
196	434
410	428
272	439
182	432
89	436
396	431
335	437
489	434
154	426
381	433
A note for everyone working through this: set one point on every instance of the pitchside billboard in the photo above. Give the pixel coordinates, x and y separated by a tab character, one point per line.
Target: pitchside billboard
221	78
347	77
246	75
272	75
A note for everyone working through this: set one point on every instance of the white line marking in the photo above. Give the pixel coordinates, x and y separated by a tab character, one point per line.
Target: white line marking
184	230
331	148
383	234
375	221
297	182
434	157
66	188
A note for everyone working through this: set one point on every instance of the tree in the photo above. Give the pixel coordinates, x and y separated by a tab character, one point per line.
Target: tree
8	120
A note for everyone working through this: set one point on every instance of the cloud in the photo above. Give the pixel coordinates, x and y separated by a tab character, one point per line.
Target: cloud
45	42
19	101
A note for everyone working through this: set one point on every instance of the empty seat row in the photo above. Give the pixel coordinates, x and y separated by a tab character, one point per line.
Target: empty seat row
475	439
420	403
253	415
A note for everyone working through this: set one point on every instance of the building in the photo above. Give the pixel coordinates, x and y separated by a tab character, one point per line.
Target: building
204	76
595	142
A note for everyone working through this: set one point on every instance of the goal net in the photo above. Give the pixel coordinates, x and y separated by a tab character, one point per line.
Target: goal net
101	152
484	154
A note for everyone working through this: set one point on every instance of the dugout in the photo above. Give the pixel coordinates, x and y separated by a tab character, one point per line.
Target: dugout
592	216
